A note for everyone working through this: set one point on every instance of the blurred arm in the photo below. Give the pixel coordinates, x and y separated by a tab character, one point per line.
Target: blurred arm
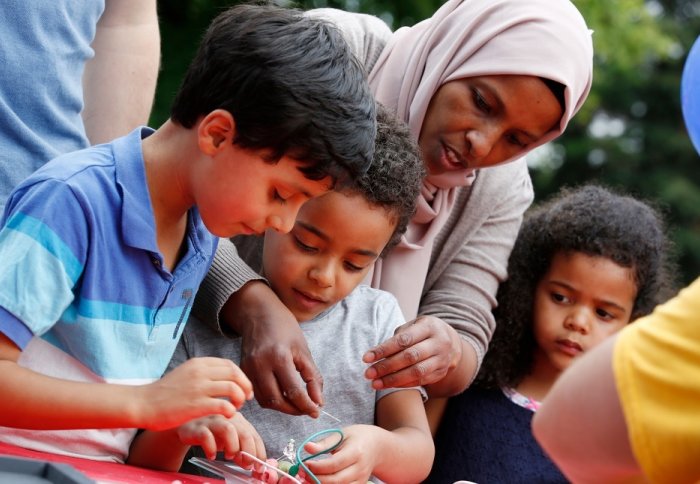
581	425
119	82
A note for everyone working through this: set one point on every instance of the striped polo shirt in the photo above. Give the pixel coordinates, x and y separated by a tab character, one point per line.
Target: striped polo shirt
83	289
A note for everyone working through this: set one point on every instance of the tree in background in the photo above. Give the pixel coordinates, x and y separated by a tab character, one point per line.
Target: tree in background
629	135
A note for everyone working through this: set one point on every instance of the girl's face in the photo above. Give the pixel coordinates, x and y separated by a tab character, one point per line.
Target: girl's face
579	302
478	122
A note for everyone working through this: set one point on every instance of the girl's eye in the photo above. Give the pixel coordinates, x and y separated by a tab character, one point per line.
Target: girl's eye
603	314
560	298
480	102
303	246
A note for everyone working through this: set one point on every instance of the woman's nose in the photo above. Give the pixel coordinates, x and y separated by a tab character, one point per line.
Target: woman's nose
481	142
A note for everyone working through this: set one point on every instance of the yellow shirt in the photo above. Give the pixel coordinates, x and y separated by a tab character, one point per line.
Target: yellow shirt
656	363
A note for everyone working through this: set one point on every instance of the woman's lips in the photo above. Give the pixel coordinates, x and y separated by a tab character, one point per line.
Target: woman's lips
452	160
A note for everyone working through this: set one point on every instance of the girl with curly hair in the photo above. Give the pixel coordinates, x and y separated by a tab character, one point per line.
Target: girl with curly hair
585	264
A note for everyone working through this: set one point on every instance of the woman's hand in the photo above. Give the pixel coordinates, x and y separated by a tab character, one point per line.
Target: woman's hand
274	353
422	352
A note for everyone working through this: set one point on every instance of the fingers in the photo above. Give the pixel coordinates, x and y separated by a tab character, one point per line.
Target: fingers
201	436
284	391
269	395
215	433
294	393
248	439
221	369
312	377
341	467
418	354
406	335
425	372
216	377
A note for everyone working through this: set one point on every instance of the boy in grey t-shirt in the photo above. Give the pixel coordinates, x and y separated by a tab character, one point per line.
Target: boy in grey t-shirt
316	271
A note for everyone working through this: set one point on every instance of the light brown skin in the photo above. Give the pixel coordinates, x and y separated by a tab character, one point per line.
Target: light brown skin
496	118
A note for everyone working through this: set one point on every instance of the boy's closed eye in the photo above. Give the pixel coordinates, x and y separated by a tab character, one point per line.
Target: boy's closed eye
277	197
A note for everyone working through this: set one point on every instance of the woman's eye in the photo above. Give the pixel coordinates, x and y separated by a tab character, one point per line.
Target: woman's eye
514	140
480	102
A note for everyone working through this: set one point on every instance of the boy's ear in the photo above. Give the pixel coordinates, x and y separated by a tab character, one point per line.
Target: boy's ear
216	131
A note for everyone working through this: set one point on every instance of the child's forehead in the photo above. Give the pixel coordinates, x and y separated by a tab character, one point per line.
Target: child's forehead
347	206
347	212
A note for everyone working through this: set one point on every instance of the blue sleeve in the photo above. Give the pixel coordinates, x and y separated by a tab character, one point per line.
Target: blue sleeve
13	328
43	246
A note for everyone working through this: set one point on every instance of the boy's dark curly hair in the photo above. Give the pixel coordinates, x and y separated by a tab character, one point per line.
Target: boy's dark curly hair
394	180
592	220
292	85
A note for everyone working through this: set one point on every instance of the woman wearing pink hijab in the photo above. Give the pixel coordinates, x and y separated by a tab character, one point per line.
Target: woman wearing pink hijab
480	84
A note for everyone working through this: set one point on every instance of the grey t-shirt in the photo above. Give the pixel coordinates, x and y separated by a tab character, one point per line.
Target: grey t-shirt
337	339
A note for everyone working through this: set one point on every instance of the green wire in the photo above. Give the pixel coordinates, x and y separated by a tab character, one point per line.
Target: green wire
294	470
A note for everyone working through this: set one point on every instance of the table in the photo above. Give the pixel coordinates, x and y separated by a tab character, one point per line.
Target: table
109	472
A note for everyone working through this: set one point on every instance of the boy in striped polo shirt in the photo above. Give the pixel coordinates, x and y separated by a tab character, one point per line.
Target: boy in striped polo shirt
103	249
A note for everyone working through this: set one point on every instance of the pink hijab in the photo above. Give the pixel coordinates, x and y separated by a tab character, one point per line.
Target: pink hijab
465	38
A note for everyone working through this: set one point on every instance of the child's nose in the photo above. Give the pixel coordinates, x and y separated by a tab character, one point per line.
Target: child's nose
579	320
322	274
283	221
278	223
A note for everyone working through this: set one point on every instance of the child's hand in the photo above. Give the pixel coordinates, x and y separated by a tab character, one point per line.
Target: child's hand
215	433
353	461
197	388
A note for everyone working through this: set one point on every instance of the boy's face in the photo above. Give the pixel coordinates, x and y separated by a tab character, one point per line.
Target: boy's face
334	242
238	192
580	301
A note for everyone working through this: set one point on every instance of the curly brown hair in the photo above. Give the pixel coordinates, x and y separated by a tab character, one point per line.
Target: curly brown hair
395	177
592	220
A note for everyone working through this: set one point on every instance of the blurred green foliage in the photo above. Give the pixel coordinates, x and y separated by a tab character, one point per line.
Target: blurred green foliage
629	134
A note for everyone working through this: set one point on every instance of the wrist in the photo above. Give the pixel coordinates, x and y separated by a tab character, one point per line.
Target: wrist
238	314
136	408
457	349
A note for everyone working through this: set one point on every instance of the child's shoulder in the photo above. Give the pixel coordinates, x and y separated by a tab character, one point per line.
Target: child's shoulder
73	166
369	297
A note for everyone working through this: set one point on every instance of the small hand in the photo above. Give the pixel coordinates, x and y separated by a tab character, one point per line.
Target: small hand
215	433
353	461
198	387
421	352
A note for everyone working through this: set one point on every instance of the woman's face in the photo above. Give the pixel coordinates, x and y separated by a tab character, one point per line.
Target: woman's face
478	122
